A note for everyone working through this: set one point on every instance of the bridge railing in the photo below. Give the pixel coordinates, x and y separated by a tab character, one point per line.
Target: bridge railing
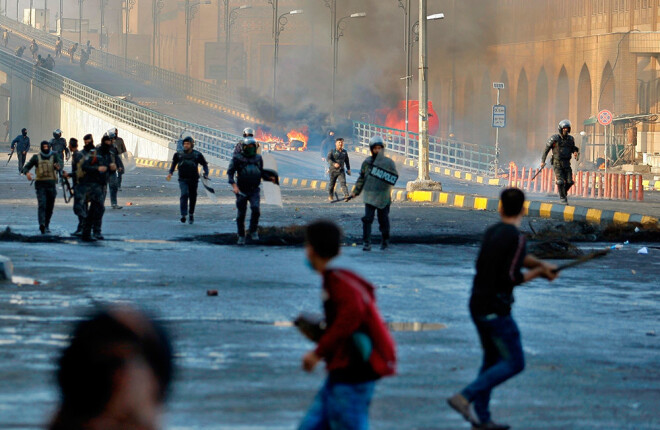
177	83
469	157
214	143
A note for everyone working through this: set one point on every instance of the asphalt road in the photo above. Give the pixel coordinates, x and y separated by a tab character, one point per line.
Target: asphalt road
590	337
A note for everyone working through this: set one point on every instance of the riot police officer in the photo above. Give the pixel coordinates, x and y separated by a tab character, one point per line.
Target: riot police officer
563	147
58	145
247	132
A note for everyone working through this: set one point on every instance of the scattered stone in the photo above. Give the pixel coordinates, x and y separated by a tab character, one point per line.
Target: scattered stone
211	293
650	333
643	250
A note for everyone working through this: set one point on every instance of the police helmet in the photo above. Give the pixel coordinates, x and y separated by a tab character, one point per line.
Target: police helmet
248	132
57	133
376	141
564	124
189	139
249	141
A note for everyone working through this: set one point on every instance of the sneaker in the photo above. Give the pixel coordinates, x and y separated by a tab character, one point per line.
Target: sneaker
191	219
116	207
254	235
241	240
42	229
385	244
330	198
366	246
564	200
183	219
490	425
461	405
47	230
98	236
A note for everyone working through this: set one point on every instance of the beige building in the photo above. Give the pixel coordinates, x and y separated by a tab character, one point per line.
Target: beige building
565	59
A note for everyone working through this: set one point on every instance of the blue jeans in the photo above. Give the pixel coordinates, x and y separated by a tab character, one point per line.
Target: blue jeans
503	359
339	406
188	189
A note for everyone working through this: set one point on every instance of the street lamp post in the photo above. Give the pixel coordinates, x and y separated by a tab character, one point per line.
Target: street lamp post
45	15
128	5
30	15
423	178
80	15
61	15
232	19
332	5
191	10
102	4
412	37
407	43
156	6
339	32
281	23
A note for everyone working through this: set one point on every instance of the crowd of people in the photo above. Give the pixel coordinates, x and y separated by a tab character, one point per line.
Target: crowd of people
117	370
94	170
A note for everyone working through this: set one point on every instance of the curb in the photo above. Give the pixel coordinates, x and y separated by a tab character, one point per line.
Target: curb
532	208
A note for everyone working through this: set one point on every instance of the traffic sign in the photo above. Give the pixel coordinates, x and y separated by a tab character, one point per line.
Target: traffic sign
604	117
499	116
498	85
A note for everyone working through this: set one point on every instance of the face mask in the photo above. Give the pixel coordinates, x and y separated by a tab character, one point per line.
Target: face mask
24	133
249	151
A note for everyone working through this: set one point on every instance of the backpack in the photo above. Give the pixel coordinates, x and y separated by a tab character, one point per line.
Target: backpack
375	336
187	164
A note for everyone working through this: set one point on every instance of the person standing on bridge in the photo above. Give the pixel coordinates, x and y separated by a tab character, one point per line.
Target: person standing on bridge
34	48
339	165
5	37
563	147
47	165
58	47
502	256
188	162
84	57
21	144
377	177
19	51
72	50
96	166
248	167
58	145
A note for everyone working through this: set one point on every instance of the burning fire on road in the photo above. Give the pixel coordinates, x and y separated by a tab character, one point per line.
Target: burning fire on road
296	140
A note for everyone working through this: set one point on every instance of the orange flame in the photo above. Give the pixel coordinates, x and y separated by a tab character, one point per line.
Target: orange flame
278	144
301	136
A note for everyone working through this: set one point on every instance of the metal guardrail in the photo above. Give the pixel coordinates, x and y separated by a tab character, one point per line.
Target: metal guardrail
177	83
211	142
469	157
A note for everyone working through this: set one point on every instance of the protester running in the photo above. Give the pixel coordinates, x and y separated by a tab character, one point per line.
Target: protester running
502	256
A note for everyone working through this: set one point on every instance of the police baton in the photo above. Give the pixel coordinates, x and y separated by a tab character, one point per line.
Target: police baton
536	174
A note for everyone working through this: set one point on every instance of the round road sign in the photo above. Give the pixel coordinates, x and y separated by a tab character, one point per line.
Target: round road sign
604	117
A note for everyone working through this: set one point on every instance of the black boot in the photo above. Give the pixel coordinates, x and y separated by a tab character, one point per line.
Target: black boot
366	237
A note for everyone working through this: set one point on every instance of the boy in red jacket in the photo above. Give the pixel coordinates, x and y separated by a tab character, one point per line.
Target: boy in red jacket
356	345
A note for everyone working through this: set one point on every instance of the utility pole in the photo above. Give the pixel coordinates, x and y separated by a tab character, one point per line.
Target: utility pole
61	15
30	15
423	162
423	181
45	15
